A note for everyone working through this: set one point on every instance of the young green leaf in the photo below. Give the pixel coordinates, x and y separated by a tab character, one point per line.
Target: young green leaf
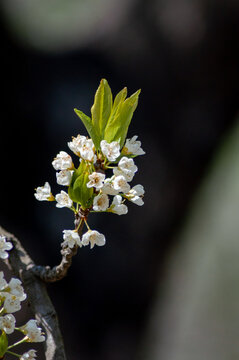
120	118
101	108
78	191
120	97
89	127
3	344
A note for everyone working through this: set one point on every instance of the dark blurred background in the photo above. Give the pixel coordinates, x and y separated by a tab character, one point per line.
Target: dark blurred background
184	55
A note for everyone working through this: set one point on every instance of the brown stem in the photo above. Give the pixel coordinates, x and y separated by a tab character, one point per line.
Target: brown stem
19	262
58	272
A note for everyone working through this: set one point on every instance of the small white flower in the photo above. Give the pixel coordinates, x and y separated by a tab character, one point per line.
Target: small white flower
64	177
108	187
43	193
71	238
117	207
15	288
33	332
111	151
120	184
88	150
133	147
96	180
63	200
11	303
3	282
76	144
126	167
63	161
83	147
101	202
7	323
30	355
93	238
135	195
4	247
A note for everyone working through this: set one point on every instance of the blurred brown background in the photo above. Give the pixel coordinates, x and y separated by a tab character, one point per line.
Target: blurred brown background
184	55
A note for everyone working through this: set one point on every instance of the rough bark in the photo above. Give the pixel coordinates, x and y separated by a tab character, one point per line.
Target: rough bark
20	263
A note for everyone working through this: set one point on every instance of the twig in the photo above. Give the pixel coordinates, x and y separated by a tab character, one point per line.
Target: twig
58	272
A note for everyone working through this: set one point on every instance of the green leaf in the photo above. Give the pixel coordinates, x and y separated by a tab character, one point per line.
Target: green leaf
78	191
101	108
3	344
120	97
120	118
89	127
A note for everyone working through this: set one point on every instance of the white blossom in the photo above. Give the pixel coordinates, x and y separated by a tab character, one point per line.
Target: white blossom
83	147
43	193
93	238
87	151
126	167
15	288
76	144
33	332
7	323
96	180
117	207
11	303
133	147
64	177
101	202
63	161
71	238
3	282
30	355
63	200
110	150
120	184
135	195
4	247
108	187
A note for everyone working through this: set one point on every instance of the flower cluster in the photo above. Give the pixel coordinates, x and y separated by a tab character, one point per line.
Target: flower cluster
97	164
11	296
106	167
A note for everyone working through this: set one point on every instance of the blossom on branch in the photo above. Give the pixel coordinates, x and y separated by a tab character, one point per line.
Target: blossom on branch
64	177
30	355
120	184
110	151
126	167
108	187
11	303
63	200
33	332
133	147
96	180
63	161
135	195
71	238
3	282
4	247
117	207
76	144
16	289
7	323
43	193
101	202
93	238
